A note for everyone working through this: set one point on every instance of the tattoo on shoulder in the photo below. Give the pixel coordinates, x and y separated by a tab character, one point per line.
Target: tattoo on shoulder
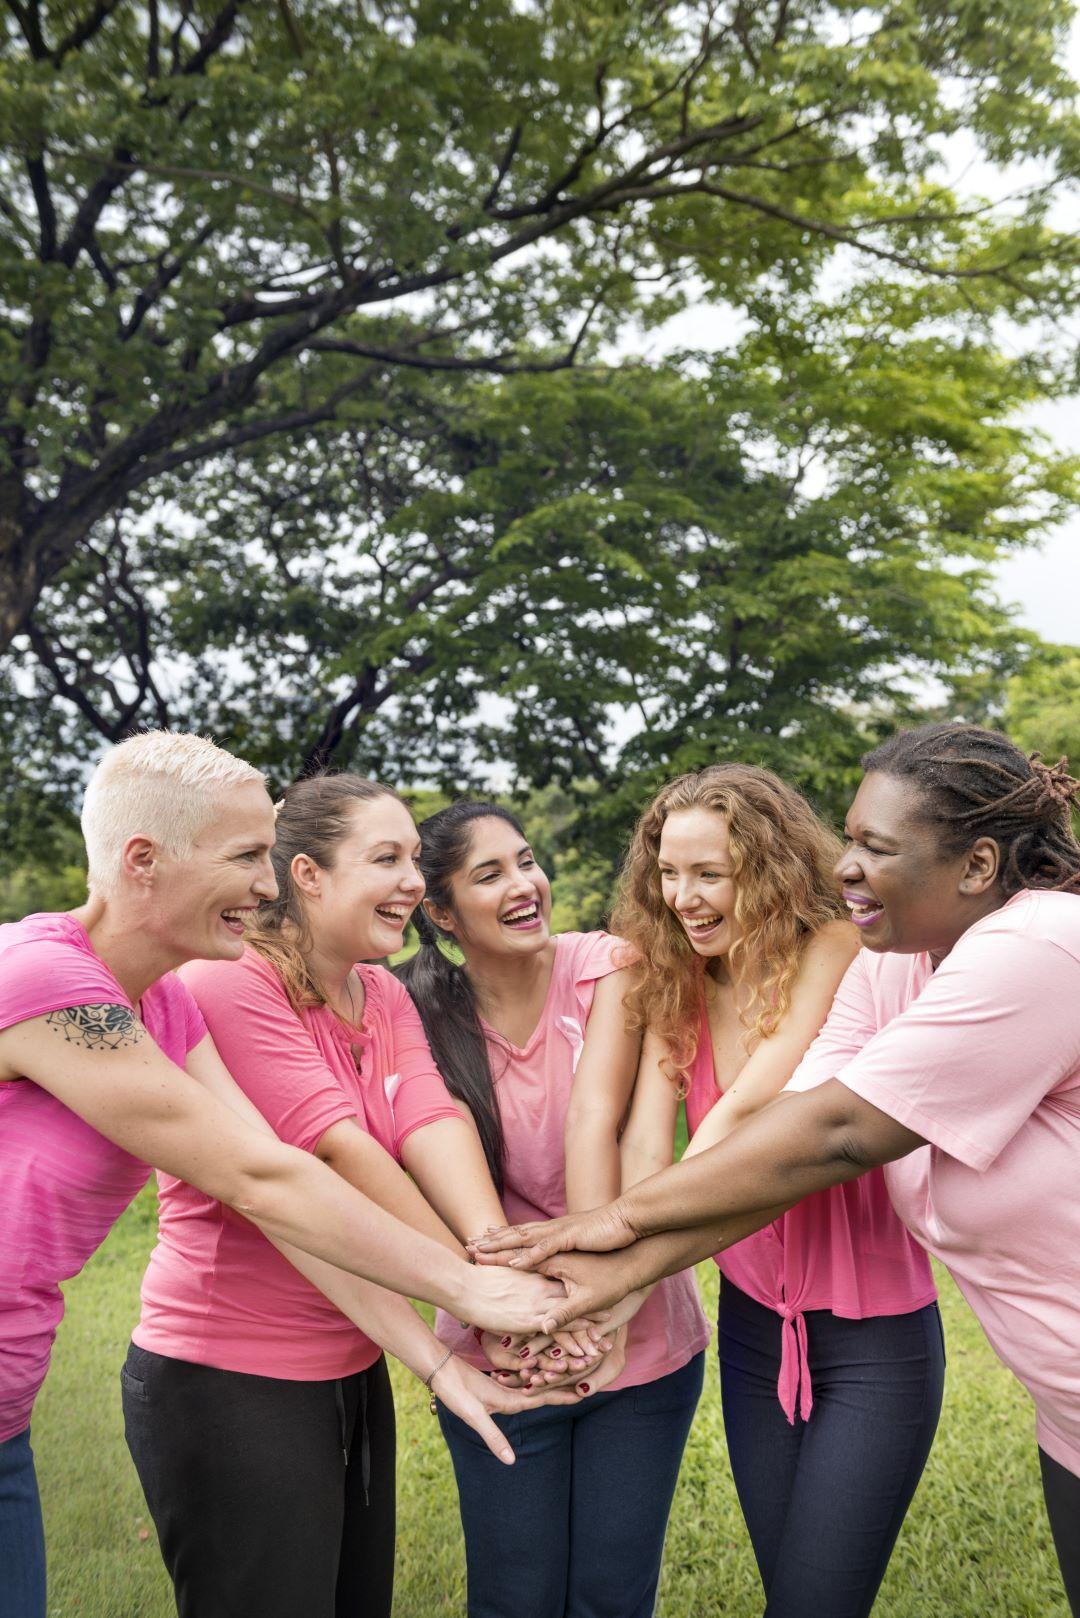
97	1028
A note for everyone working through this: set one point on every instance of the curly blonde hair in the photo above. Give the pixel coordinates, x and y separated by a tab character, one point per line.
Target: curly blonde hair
782	864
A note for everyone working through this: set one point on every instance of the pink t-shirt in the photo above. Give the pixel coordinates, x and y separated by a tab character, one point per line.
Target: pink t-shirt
215	1291
62	1184
982	1058
843	1250
533	1086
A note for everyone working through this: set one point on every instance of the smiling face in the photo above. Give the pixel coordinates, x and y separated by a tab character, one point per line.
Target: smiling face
697	879
903	892
356	909
500	898
199	900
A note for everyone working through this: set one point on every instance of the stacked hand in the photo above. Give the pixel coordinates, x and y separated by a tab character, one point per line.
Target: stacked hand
572	1357
601	1230
569	1250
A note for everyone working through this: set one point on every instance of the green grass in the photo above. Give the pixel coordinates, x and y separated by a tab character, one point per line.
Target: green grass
975	1542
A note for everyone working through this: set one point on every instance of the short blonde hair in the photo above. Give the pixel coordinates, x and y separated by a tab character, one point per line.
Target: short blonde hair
160	784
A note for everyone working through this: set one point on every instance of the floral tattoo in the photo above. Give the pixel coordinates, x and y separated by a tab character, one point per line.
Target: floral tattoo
97	1028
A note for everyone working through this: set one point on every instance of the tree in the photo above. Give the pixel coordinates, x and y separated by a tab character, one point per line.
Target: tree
762	553
224	222
1042	708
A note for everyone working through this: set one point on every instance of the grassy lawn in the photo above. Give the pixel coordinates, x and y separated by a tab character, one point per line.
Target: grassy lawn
975	1543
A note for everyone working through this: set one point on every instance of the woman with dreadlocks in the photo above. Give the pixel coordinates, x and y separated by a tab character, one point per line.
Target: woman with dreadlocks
951	1055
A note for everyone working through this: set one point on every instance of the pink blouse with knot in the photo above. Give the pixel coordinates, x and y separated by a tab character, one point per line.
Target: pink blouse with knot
844	1250
215	1291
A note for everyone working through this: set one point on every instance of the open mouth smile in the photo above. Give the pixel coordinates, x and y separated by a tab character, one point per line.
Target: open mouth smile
523	918
863	911
235	918
394	915
701	927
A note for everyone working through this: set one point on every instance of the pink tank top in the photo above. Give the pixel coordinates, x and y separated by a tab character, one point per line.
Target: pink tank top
843	1250
533	1084
62	1184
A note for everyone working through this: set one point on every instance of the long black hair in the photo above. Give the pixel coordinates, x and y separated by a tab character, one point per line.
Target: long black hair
441	989
977	783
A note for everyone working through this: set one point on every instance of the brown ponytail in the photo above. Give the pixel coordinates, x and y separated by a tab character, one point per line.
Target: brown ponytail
313	818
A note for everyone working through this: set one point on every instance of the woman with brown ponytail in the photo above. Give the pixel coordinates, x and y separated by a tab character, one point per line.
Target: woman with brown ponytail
258	1409
951	1055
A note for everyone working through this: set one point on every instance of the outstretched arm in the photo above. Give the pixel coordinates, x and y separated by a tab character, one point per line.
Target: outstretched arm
799	1144
101	1063
774	1059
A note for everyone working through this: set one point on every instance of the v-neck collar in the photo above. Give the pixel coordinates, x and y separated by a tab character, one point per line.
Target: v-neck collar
541	1022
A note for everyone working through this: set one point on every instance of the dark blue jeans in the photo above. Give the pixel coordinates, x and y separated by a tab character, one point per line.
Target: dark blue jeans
824	1499
575	1528
22	1538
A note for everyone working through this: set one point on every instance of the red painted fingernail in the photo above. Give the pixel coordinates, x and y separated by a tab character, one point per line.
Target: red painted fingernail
583	1387
523	1353
507	1341
555	1353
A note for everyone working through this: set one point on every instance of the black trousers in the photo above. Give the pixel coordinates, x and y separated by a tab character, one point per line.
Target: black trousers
271	1499
1061	1490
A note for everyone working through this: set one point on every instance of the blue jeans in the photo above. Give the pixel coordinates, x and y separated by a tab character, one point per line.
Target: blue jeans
575	1528
824	1499
22	1537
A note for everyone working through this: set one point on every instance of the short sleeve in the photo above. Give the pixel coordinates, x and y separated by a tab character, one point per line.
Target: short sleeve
419	1095
195	1029
851	1024
46	975
172	1017
268	1050
595	955
995	1029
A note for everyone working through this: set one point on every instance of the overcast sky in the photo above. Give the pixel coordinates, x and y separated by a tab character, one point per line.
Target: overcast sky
1042	584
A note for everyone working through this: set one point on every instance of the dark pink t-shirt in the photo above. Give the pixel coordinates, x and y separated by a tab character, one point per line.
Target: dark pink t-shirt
216	1292
62	1184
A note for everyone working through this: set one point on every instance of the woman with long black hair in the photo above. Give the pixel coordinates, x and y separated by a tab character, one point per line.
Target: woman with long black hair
530	1031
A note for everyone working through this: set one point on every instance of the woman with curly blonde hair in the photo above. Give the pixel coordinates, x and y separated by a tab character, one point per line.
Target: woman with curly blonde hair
831	1356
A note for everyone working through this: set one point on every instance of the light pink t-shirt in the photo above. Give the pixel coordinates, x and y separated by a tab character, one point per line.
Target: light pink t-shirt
215	1291
62	1184
533	1085
843	1250
982	1058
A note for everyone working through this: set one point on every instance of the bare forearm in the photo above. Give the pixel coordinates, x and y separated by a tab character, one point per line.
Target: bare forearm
798	1145
447	1162
303	1203
593	1171
670	1251
358	1158
386	1317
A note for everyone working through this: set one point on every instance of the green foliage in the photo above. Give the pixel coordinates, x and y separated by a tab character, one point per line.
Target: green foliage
1042	708
45	884
311	434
